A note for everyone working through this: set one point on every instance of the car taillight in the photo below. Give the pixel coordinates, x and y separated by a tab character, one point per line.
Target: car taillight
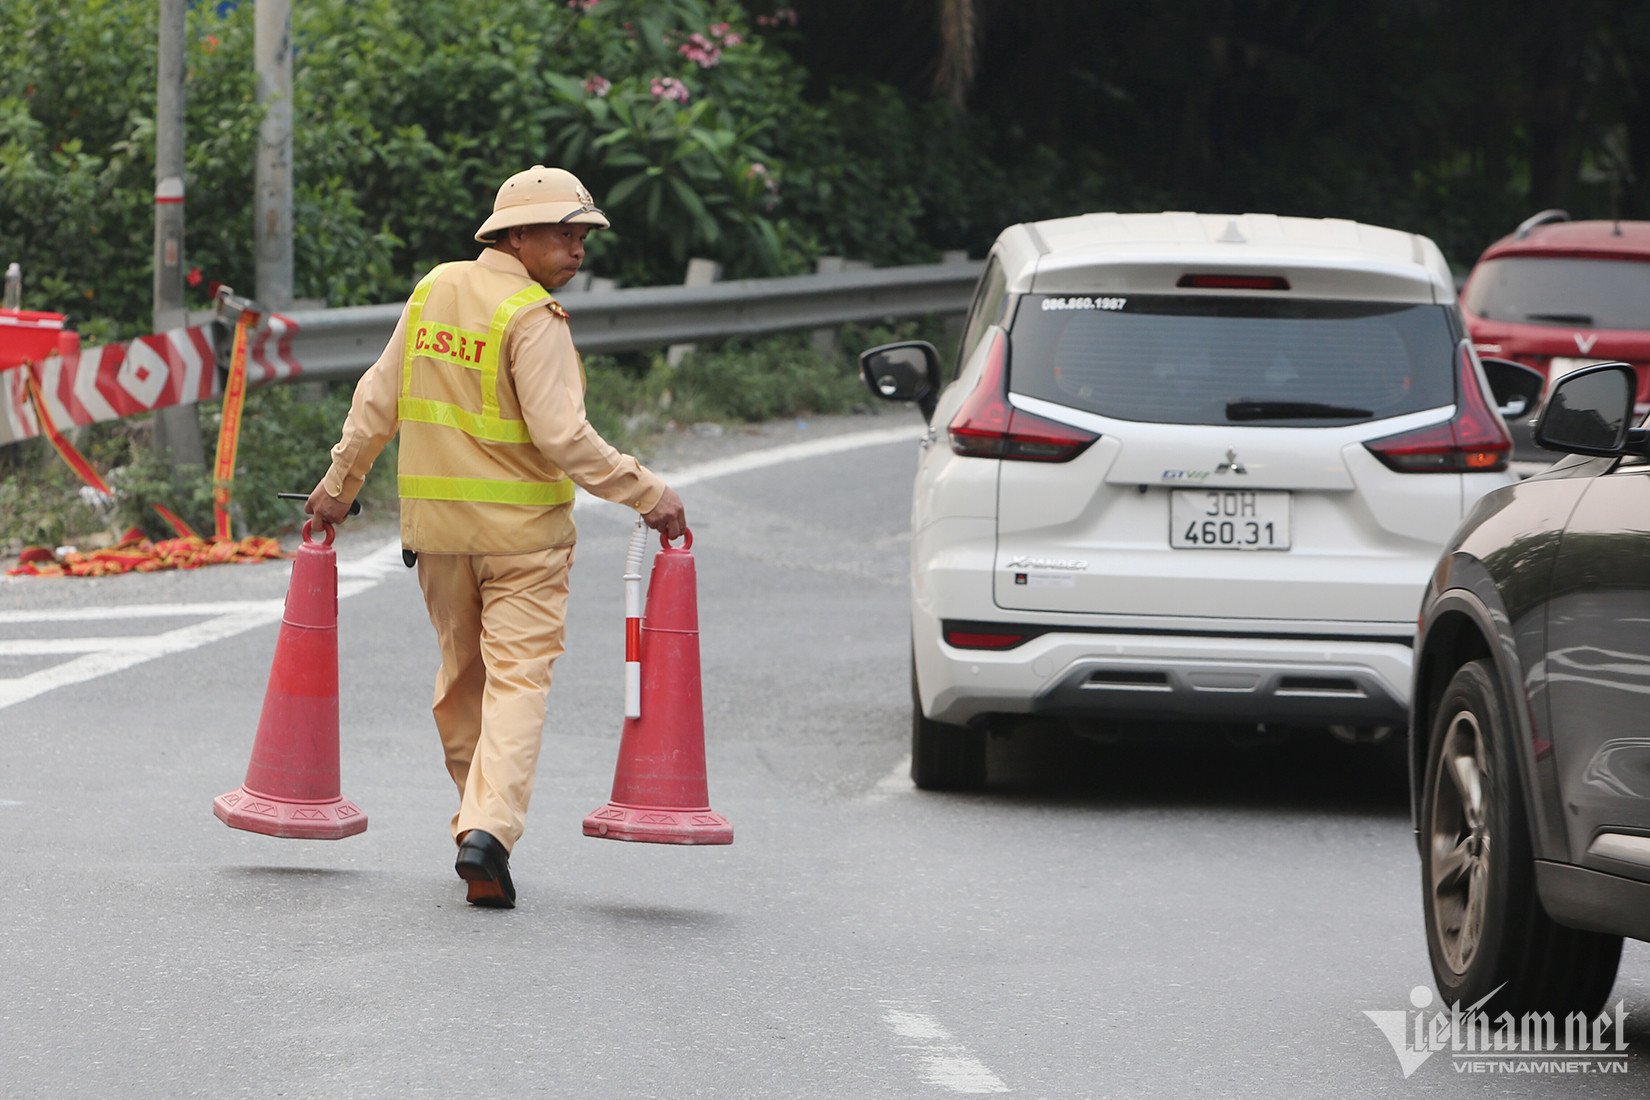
1476	441
987	426
976	638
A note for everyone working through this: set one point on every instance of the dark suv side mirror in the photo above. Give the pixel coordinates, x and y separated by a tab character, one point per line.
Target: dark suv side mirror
1590	412
1515	387
906	371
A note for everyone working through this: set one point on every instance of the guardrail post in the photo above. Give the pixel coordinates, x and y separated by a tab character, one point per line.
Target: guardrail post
584	281
827	341
699	273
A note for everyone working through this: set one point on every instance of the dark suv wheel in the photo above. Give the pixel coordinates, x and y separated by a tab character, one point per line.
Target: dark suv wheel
1485	924
944	758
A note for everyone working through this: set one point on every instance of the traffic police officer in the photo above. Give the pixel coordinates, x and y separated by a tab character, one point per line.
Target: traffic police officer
483	382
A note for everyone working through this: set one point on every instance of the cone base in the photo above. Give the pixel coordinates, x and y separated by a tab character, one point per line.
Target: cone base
257	813
656	825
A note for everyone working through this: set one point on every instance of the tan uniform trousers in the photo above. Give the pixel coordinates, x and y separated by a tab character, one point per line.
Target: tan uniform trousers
499	620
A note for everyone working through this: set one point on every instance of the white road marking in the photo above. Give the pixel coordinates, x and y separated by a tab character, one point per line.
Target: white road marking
101	656
897	781
376	565
946	1062
791	452
136	652
46	647
132	611
100	660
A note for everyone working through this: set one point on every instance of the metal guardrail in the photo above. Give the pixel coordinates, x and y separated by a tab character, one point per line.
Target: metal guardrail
343	342
153	372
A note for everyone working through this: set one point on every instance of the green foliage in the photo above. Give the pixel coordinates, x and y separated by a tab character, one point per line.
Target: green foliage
403	130
872	175
40	501
284	440
753	382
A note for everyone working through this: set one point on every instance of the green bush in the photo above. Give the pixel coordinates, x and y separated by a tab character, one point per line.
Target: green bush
402	132
42	507
873	176
285	438
753	382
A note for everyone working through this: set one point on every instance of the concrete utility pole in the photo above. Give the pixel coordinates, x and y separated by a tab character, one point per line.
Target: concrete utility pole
272	62
177	429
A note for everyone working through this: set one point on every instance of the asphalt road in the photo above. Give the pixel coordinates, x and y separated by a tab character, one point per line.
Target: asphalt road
1172	920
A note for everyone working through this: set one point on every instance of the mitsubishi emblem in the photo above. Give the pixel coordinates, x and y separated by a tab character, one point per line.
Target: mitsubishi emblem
1231	465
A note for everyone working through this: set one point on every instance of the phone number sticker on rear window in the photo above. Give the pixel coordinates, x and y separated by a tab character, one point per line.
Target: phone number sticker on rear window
1053	304
1228	519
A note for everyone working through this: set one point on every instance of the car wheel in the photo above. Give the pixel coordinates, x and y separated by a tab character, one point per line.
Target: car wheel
1486	929
943	757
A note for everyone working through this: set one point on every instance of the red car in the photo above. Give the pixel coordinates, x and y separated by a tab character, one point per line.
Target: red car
1558	294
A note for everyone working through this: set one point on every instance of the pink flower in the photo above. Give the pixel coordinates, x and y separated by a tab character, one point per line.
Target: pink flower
720	29
759	171
668	87
700	50
597	85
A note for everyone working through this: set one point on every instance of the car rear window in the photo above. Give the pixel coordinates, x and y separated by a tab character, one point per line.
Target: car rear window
1216	360
1562	291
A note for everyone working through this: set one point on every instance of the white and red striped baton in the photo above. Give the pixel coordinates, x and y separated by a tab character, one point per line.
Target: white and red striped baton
633	621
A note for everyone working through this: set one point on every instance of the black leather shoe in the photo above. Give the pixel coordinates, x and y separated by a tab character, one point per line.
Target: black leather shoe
484	864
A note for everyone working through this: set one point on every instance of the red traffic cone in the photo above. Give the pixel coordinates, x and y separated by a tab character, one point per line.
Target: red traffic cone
659	792
291	787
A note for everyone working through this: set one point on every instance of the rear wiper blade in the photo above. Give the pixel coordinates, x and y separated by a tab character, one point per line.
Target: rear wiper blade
1561	318
1290	410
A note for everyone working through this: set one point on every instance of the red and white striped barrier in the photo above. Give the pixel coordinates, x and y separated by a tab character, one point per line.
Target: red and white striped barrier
149	373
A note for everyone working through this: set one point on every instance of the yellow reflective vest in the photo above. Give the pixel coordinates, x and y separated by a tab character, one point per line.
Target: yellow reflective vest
470	478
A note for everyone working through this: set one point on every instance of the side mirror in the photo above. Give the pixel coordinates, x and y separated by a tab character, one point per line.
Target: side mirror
1590	412
906	371
1515	387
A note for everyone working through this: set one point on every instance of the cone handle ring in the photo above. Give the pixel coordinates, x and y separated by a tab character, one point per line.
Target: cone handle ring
309	525
687	539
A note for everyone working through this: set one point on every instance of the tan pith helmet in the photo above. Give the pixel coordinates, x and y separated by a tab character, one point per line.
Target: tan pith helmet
541	196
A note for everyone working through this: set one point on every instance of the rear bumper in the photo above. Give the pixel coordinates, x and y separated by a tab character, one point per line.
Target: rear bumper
1208	689
1583	898
1168	677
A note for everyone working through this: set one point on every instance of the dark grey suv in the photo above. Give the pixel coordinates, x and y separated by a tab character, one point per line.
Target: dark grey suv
1530	765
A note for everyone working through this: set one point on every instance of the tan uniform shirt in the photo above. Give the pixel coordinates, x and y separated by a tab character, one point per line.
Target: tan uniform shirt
545	373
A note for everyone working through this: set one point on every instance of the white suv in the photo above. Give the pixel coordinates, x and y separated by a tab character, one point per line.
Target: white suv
1190	468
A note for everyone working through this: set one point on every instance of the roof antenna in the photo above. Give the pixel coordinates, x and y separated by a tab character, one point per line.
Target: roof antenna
1232	235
